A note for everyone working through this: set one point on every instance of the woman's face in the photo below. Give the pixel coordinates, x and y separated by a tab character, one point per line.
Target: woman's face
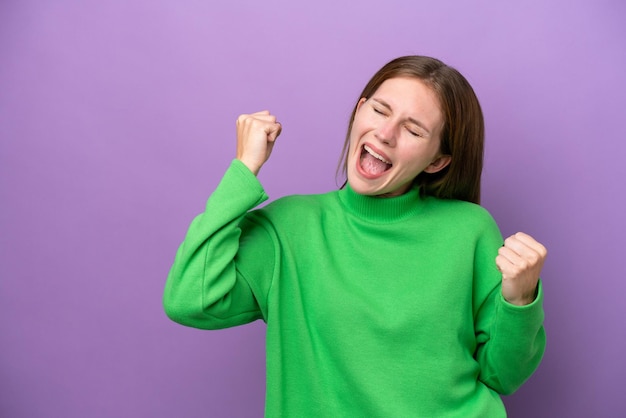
395	136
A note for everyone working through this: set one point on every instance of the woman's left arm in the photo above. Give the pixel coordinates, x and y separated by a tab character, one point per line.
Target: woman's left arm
509	321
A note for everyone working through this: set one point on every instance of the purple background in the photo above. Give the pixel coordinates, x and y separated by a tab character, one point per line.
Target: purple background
117	120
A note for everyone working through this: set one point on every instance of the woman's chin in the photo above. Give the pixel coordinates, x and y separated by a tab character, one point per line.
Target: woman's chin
371	188
366	187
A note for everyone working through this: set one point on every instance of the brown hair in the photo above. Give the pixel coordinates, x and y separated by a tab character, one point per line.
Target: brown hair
463	132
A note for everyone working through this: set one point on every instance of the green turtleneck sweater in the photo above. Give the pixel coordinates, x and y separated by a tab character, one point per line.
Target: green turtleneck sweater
375	307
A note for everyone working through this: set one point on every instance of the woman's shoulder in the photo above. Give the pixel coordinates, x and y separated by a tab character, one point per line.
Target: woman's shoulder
303	200
459	211
299	206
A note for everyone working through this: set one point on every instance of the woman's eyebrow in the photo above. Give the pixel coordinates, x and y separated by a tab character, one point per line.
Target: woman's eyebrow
412	120
382	102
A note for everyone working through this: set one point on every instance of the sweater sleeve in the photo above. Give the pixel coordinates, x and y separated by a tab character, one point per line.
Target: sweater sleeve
204	288
511	339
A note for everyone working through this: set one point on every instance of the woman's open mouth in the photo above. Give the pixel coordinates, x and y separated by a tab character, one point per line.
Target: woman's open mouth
372	163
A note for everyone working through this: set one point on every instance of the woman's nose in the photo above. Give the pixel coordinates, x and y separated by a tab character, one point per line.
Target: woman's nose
386	133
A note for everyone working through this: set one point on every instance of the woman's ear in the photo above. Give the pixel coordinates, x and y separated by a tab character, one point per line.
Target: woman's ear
360	102
438	164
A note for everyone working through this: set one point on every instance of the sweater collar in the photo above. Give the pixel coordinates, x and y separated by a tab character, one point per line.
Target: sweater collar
381	209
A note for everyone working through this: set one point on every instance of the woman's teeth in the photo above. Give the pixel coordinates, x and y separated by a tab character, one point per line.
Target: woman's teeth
372	152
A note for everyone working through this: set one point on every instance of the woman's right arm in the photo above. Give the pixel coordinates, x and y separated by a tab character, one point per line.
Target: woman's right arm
204	288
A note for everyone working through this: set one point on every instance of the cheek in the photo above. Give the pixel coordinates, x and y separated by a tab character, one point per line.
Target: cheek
354	138
352	155
361	124
417	158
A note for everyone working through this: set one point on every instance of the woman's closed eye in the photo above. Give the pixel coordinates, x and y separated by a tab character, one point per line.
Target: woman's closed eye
379	111
414	132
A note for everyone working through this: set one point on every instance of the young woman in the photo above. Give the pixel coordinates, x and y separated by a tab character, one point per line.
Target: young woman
392	297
